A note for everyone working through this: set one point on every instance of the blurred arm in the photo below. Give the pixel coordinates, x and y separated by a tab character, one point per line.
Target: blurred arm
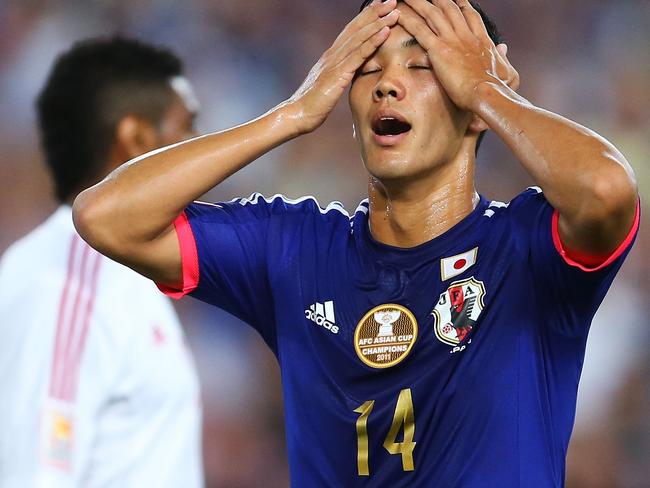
129	215
583	176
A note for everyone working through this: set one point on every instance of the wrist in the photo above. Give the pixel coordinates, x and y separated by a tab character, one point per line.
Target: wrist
489	94
291	117
483	95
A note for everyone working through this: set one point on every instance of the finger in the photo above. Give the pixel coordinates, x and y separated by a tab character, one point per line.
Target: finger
357	57
504	68
365	33
450	10
435	20
416	26
511	76
514	83
371	13
473	19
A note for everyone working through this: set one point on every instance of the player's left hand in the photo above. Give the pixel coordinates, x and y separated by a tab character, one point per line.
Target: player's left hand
460	50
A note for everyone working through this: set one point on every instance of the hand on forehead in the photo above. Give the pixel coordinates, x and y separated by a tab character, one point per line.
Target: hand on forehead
415	25
442	19
409	16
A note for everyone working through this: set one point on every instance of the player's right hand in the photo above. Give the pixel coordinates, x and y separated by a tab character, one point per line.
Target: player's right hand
334	71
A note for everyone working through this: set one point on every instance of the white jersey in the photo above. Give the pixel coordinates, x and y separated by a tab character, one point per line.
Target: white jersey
97	387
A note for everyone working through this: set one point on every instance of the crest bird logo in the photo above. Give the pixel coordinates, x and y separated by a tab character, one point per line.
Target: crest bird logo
457	311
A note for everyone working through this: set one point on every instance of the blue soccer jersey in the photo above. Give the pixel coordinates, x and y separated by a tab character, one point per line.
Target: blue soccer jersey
451	364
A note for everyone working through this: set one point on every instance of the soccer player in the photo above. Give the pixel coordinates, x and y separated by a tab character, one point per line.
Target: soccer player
433	338
98	387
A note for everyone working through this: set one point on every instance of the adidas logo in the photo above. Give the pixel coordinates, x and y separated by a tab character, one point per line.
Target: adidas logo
323	314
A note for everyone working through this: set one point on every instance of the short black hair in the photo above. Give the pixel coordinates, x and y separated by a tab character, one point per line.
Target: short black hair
490	27
91	87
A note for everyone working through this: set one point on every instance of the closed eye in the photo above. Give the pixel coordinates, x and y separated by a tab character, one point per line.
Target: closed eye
421	67
369	72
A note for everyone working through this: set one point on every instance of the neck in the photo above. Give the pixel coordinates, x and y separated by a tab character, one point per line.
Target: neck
407	214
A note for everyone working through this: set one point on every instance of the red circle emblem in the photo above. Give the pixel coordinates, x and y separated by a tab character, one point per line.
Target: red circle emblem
460	263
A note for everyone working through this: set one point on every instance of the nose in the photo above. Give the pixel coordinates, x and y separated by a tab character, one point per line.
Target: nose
388	86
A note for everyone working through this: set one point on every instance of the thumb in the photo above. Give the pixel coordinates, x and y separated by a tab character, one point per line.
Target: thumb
509	75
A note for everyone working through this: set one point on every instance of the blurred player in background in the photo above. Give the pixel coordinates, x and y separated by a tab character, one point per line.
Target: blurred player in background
434	338
98	387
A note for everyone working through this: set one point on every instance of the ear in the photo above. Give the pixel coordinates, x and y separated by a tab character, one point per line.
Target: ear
134	136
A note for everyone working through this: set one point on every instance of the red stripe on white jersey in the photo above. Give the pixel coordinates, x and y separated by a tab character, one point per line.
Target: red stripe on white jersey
57	357
74	355
75	311
73	323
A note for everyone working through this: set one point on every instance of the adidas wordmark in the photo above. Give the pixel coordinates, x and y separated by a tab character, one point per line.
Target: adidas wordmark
323	314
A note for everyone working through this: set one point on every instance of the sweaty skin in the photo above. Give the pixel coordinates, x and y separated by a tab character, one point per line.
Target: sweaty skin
129	215
424	184
450	83
583	176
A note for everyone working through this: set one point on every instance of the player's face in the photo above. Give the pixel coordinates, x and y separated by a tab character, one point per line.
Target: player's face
177	124
405	122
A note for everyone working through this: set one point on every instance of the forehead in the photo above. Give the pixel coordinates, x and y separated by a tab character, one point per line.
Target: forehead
399	41
177	116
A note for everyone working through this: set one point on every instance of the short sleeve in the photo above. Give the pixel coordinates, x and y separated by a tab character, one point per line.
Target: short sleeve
224	250
569	291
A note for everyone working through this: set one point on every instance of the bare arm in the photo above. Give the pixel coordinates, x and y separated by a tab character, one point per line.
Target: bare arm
584	177
129	215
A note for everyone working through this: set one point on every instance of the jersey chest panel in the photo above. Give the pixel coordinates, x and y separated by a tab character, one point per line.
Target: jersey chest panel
469	329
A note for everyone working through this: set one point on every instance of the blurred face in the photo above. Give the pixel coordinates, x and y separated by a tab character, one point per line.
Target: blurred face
137	135
405	123
178	122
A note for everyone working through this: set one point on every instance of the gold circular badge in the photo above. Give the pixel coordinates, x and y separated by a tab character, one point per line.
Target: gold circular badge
385	335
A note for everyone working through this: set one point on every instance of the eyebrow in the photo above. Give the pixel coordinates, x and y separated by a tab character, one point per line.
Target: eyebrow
410	42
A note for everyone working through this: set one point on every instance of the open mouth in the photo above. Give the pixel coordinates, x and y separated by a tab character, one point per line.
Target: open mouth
390	126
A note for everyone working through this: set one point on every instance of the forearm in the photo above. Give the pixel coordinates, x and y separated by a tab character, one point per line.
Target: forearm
583	176
139	200
572	164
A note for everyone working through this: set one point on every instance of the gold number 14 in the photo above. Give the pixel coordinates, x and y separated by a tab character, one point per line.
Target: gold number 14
403	416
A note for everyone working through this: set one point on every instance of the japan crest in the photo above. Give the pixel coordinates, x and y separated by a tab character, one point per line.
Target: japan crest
457	310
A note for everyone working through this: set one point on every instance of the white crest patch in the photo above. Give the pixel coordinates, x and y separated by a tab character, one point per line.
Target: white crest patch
457	310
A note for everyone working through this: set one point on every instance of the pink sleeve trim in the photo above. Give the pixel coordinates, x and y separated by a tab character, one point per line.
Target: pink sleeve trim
591	263
189	260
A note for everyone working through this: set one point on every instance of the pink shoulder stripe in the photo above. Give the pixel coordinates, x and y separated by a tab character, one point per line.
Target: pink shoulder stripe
593	263
189	260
